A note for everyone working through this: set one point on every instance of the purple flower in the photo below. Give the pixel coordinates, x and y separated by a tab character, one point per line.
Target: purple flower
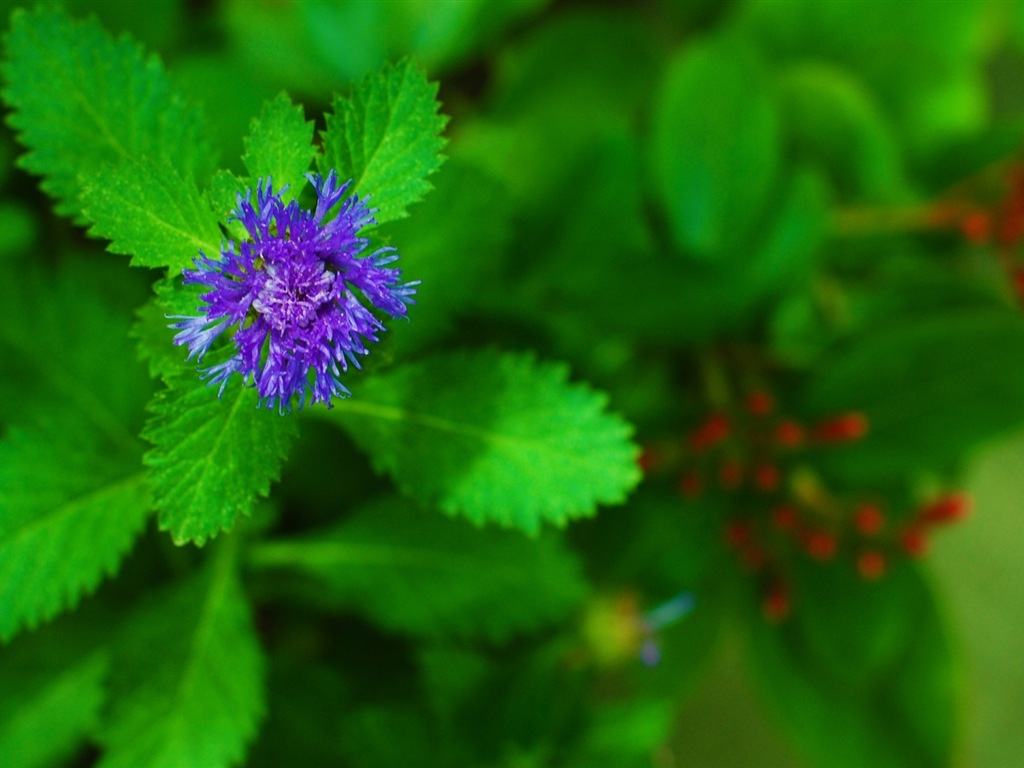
297	294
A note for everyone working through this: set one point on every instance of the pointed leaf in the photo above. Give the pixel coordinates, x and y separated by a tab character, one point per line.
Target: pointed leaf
211	458
386	136
494	437
82	100
280	144
149	212
187	687
69	512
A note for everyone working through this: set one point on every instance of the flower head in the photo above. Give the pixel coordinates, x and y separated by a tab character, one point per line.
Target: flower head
297	294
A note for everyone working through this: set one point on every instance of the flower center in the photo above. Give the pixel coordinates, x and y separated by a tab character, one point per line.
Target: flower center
290	295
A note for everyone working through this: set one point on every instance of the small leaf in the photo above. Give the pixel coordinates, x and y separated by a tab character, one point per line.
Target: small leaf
187	681
69	512
151	213
280	144
494	437
82	100
211	458
715	145
386	137
415	571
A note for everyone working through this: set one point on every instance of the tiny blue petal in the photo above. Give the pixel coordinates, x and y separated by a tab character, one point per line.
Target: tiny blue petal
296	296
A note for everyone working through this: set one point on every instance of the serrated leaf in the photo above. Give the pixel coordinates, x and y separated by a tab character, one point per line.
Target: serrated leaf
494	437
150	212
48	706
386	137
211	457
187	683
81	100
280	145
69	512
415	571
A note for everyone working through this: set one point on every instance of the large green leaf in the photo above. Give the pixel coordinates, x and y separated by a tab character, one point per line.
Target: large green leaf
187	677
932	391
211	457
386	137
862	673
280	145
494	437
416	571
82	100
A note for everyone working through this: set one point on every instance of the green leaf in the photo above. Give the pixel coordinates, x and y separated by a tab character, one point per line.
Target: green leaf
211	457
82	100
932	390
187	681
862	674
494	437
386	137
50	701
280	145
831	117
148	211
418	572
69	512
715	145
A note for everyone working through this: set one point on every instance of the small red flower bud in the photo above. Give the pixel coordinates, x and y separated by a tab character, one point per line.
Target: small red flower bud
784	517
821	545
914	542
711	432
947	509
868	519
648	459
871	565
848	426
760	403
976	227
789	434
776	604
737	534
730	474
690	484
752	557
767	477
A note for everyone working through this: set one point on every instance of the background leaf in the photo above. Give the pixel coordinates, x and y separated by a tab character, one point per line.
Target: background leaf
494	437
187	680
415	571
386	136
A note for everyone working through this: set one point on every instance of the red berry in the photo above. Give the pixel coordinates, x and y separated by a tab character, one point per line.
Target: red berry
711	432
690	484
767	477
821	545
784	517
976	227
848	426
946	509
730	474
871	565
760	403
752	557
648	459
737	534
868	519
914	542
789	434
776	604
